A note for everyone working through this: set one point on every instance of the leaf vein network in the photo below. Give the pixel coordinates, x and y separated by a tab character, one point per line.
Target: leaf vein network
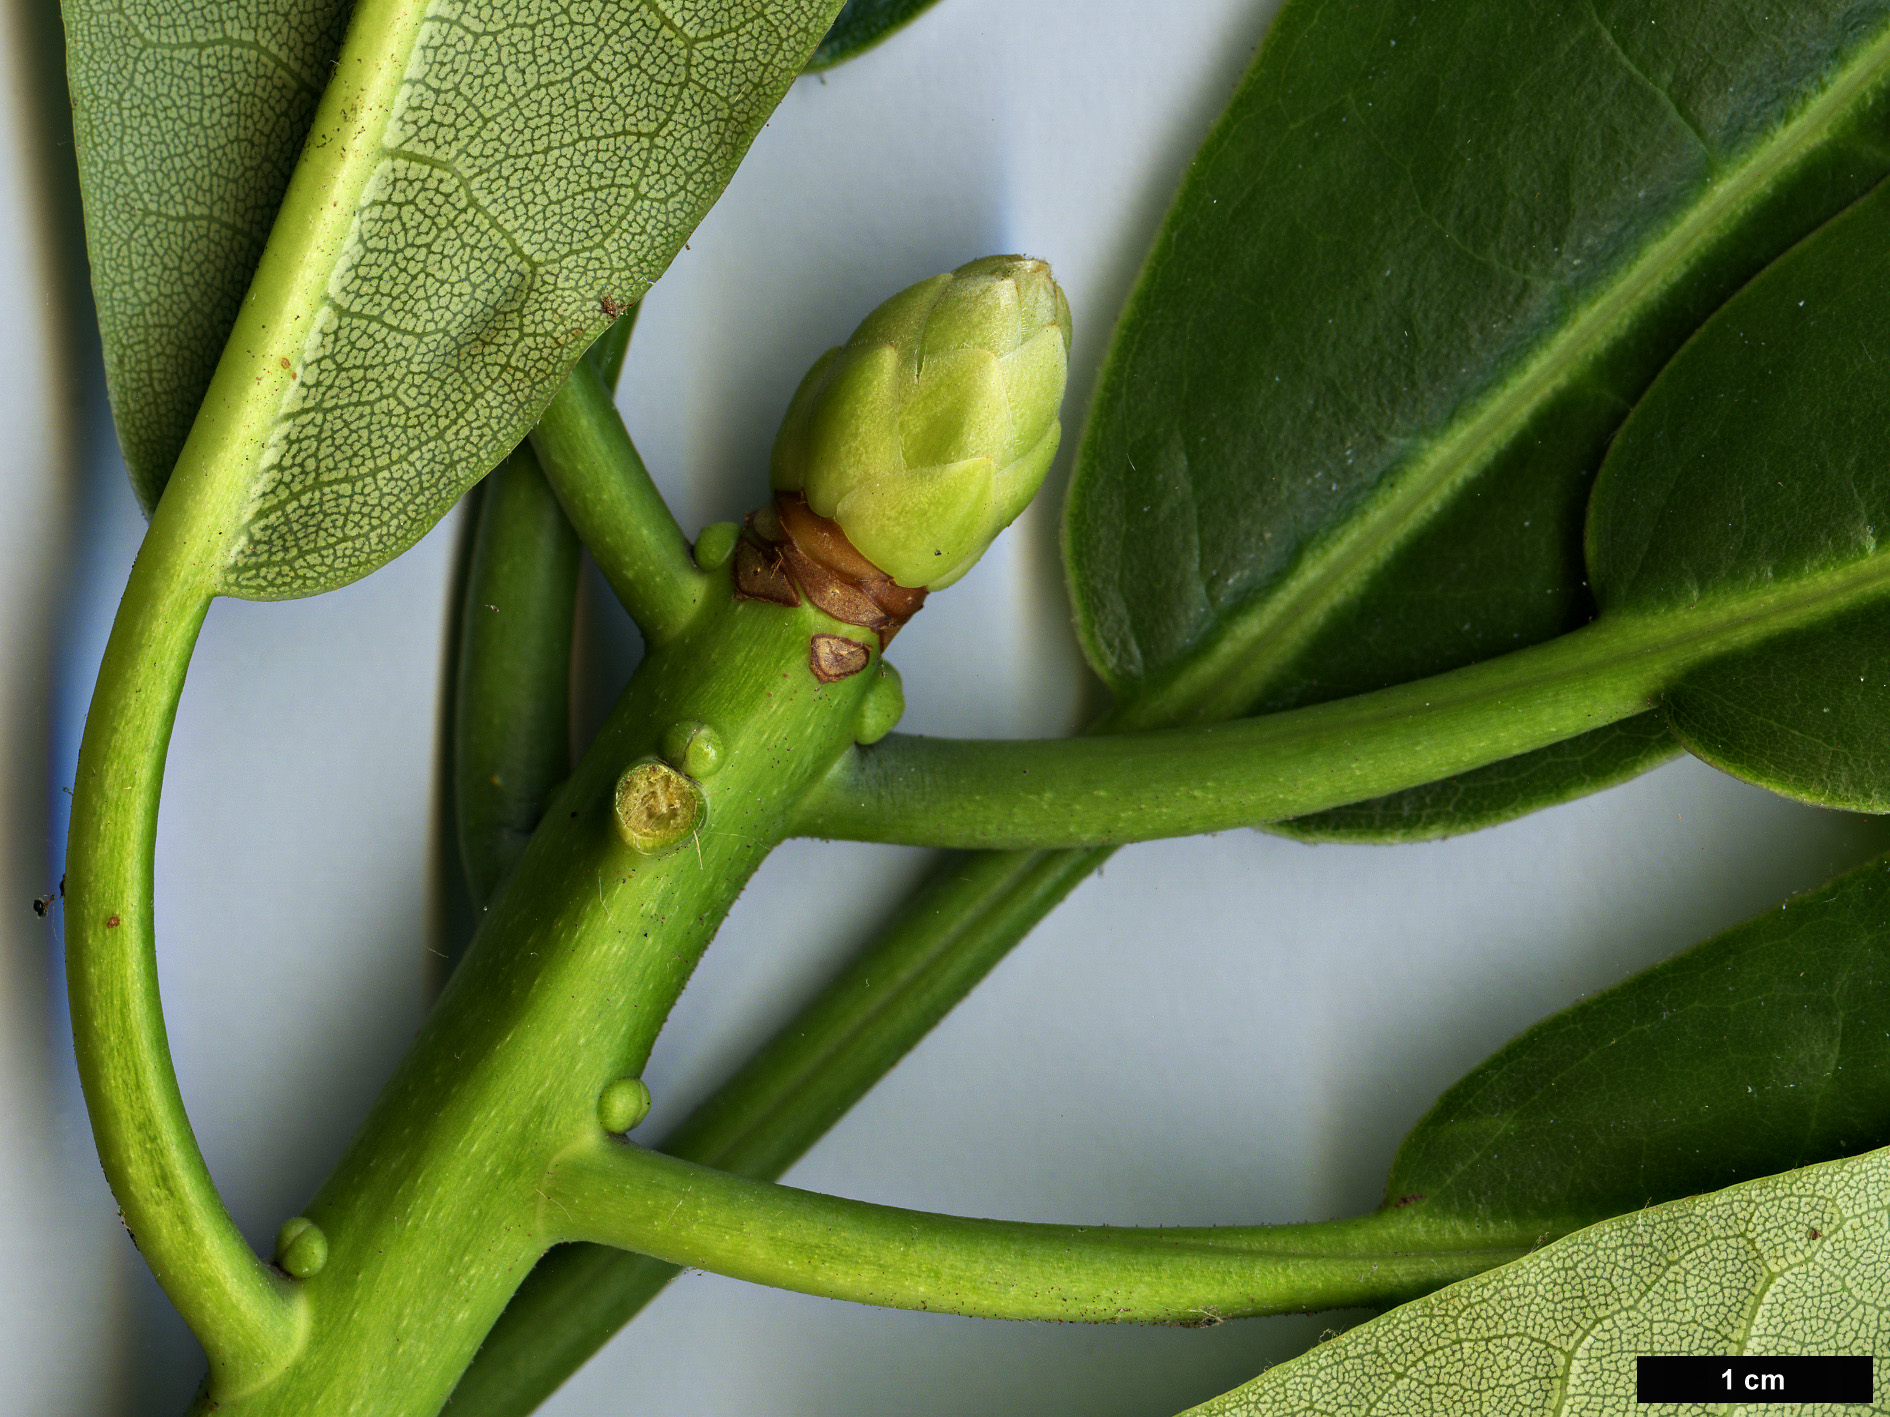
447	168
204	218
280	62
1422	208
1666	98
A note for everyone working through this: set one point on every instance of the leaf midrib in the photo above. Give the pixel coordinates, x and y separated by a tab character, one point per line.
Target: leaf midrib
1237	666
217	470
1666	642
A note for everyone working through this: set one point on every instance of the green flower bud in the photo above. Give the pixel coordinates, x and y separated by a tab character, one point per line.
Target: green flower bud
927	432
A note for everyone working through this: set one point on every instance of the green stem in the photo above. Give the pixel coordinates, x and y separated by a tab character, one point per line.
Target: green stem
511	731
244	1313
765	1117
431	1219
965	920
618	1194
248	1319
511	728
1123	787
582	1293
608	350
621	517
571	1304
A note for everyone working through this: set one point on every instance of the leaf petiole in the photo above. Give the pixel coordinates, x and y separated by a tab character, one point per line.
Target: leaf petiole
621	517
1117	788
247	1317
783	1099
511	737
620	1194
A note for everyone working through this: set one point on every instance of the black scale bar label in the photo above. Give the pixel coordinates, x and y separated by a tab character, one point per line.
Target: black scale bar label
1751	1379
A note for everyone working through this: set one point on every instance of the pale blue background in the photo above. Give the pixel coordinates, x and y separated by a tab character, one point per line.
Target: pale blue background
1228	1030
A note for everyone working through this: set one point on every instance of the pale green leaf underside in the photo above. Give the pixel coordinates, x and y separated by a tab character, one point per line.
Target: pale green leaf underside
1791	1264
188	116
542	164
482	186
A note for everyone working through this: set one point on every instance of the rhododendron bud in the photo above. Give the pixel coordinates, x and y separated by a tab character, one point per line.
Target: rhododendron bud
927	432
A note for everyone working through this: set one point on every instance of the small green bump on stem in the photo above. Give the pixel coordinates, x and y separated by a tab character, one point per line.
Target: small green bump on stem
656	807
623	1104
301	1247
882	708
693	747
715	545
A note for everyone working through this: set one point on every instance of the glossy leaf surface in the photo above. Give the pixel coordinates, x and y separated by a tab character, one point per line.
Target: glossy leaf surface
1791	1264
1735	530
1754	469
1764	1048
1500	792
861	24
483	188
188	118
1422	267
1803	716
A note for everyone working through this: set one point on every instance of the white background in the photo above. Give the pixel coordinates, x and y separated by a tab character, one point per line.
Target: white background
1235	1029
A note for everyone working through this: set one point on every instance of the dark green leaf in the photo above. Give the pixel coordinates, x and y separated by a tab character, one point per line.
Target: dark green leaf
1423	266
1754	471
1804	715
1500	792
188	117
1765	1048
862	24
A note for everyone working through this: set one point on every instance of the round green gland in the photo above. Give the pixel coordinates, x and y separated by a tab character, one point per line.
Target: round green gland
301	1247
622	1105
883	706
694	747
715	545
